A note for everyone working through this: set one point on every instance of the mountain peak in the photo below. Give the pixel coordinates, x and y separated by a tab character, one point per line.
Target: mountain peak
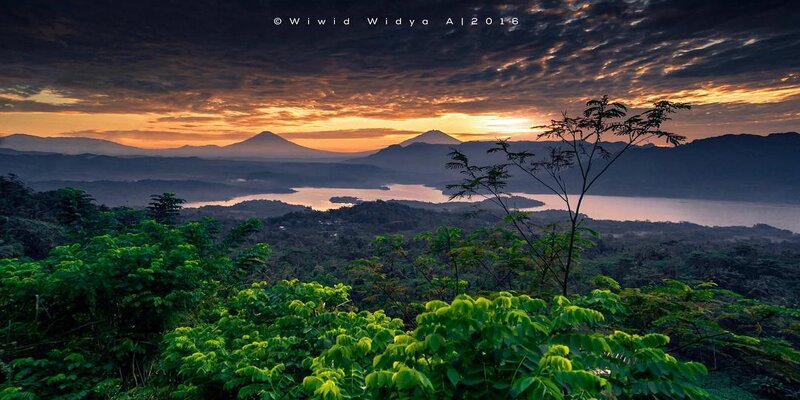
431	137
270	145
264	137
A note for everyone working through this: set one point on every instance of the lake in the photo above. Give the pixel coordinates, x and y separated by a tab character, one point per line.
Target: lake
702	212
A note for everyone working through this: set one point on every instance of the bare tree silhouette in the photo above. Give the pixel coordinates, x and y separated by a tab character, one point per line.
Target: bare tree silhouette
583	150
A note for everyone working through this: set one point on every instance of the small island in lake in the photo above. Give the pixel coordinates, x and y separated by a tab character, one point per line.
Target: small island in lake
345	200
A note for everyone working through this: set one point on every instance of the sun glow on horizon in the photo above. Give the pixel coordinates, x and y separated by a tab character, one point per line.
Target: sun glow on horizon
348	129
154	131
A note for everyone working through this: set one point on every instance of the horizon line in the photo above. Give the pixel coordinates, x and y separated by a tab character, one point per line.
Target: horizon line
399	143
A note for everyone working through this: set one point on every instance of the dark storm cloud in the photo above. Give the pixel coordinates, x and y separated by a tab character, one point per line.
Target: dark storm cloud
228	58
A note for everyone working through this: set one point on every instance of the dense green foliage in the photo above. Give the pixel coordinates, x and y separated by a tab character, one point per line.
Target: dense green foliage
762	268
720	328
126	307
518	346
262	342
87	319
31	223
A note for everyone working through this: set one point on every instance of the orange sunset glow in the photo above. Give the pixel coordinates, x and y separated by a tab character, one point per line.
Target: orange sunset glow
357	88
363	133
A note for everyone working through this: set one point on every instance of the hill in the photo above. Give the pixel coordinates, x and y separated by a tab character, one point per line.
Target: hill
732	167
261	209
729	167
67	145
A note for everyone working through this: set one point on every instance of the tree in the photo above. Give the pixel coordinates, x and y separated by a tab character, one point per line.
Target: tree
73	206
165	208
260	343
722	329
570	170
511	347
88	320
437	265
17	198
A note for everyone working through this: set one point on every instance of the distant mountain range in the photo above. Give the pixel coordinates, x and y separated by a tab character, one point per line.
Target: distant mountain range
730	167
265	145
115	180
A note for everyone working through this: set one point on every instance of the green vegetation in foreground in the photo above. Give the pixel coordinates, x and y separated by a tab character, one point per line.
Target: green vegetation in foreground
160	311
154	311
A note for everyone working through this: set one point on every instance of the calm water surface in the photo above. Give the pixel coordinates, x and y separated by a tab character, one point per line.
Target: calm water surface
703	212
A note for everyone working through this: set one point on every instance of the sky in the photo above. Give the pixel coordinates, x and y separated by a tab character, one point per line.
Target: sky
166	73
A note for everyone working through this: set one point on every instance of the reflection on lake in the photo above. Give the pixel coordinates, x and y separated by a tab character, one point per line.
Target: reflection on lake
319	198
703	212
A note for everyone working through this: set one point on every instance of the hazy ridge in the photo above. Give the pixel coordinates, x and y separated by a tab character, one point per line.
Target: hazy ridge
729	167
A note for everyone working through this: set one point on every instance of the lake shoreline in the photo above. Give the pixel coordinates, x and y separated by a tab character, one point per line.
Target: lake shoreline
704	212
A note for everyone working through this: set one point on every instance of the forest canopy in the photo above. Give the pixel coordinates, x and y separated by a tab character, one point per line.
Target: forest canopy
127	307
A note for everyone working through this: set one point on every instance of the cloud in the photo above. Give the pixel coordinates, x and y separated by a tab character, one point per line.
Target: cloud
186	118
157	136
365	133
209	62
